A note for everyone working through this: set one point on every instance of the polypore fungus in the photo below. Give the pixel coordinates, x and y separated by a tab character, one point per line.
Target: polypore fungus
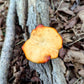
43	45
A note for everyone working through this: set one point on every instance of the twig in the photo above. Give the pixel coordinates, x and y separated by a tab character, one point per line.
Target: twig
20	42
59	6
75	41
62	31
77	80
8	43
52	3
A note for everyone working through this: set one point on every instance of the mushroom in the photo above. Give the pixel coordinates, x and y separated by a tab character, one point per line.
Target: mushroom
43	44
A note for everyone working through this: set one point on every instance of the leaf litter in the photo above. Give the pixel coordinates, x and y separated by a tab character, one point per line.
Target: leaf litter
67	17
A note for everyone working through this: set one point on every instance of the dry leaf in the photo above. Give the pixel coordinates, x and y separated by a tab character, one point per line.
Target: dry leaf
1	1
69	75
74	48
77	68
74	56
81	16
62	52
72	1
65	8
70	23
67	37
72	80
62	17
79	8
81	73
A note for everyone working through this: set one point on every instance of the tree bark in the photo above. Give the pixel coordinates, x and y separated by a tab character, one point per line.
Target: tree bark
50	72
38	13
21	8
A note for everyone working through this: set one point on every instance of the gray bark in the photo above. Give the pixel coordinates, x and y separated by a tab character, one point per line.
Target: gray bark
21	8
8	43
50	72
38	13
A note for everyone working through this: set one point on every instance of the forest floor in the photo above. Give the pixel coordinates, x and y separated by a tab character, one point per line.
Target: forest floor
67	16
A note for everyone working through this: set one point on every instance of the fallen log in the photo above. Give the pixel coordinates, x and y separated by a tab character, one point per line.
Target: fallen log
50	72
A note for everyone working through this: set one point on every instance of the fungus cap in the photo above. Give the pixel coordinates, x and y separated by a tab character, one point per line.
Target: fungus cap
43	44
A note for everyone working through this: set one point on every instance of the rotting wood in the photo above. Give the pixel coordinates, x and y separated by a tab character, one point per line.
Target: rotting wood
50	72
8	43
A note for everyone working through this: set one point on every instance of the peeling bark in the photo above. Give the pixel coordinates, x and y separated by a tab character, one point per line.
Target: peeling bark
8	43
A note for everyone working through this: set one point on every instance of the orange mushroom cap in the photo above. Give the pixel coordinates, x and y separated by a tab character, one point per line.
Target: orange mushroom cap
43	44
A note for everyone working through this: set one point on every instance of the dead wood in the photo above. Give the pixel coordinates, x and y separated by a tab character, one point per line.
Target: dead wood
21	8
38	13
50	72
8	43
